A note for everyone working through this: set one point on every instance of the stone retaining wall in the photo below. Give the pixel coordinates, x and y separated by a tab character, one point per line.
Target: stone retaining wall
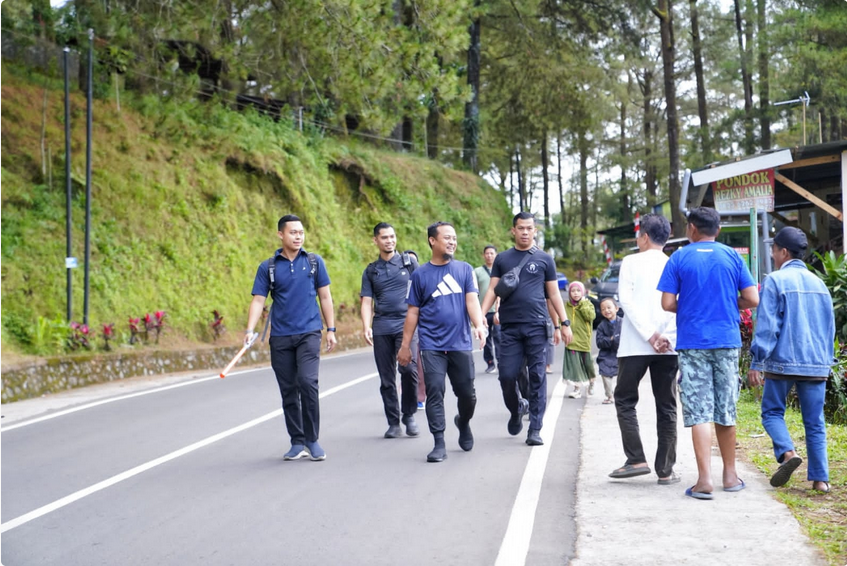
60	373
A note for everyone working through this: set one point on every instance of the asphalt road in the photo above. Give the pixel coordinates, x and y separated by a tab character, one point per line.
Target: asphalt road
190	472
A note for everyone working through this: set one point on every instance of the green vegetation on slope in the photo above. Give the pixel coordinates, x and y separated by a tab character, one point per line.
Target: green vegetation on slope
185	200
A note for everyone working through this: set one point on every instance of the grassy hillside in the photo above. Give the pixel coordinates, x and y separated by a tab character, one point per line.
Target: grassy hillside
185	199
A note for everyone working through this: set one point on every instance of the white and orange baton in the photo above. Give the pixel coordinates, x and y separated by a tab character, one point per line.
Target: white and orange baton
239	354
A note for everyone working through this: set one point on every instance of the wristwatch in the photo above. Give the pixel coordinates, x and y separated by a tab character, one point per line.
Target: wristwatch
330	329
566	322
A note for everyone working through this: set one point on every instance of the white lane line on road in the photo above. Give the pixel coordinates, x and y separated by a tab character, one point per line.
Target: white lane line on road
515	545
148	392
121	398
58	504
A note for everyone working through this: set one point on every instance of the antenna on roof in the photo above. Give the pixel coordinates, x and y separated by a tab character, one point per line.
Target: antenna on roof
803	99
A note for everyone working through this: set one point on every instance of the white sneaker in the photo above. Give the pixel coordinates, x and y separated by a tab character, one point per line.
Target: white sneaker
591	388
575	394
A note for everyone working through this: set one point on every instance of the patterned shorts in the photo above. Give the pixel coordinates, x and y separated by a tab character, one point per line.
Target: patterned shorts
709	386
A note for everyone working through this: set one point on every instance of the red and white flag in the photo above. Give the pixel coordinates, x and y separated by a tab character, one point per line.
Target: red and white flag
637	224
606	250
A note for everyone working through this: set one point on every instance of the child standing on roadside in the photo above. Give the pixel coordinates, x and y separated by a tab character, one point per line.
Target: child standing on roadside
608	339
578	367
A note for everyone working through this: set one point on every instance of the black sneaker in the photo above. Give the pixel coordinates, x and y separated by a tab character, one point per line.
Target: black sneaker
411	425
515	425
491	368
533	438
465	435
393	431
438	454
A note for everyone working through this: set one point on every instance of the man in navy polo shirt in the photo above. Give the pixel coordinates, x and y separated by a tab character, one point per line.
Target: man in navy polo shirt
442	299
384	284
523	324
295	340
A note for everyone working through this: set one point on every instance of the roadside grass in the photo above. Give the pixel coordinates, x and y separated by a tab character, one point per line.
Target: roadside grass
186	196
823	516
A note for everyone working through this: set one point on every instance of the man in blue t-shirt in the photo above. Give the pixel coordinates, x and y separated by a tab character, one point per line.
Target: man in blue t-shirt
299	278
384	285
523	324
701	284
442	299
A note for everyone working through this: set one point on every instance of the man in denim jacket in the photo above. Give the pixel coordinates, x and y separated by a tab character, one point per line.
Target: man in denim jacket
793	346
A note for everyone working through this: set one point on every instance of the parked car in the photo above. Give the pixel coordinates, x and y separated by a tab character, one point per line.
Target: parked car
605	286
563	280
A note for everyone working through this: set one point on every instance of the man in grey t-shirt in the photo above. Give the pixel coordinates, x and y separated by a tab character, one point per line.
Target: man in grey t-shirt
483	279
384	285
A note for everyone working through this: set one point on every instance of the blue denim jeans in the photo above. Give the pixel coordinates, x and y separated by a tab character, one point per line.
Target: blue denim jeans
811	397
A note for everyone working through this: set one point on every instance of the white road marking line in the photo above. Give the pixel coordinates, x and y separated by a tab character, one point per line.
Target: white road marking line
121	398
58	504
515	545
140	394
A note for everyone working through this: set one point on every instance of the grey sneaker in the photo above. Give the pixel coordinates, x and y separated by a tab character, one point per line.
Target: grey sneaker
296	452
533	438
393	431
411	425
438	454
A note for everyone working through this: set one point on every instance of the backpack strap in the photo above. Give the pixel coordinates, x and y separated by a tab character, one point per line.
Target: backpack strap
408	263
271	266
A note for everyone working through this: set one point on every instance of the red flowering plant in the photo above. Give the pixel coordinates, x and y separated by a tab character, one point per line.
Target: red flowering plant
108	334
79	337
218	328
158	323
134	330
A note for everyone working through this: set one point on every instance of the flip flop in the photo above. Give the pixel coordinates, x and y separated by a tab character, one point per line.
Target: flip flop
735	488
629	471
698	494
783	474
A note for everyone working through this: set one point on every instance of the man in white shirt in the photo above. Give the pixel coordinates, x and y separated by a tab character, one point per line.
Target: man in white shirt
648	339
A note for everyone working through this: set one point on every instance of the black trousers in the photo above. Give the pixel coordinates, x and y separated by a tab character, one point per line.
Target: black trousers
385	356
459	367
663	371
491	350
524	349
295	361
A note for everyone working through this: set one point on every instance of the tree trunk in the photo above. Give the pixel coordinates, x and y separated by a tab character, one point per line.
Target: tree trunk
511	184
666	32
559	176
432	130
650	169
521	185
626	213
746	81
582	143
545	176
764	75
702	110
470	124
